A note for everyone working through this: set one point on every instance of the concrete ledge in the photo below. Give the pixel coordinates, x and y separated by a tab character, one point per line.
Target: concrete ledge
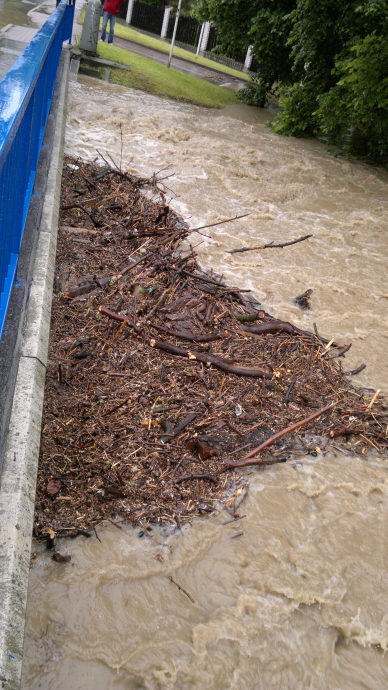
20	463
37	330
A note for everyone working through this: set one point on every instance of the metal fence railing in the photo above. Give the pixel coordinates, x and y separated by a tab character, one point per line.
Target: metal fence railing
188	29
25	98
147	17
123	10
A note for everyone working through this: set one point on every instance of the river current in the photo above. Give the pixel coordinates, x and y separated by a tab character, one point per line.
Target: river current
300	599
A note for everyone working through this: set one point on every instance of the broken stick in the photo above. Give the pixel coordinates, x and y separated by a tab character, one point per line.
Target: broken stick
270	245
247	461
182	590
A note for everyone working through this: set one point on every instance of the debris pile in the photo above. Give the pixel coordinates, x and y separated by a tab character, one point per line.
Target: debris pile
161	378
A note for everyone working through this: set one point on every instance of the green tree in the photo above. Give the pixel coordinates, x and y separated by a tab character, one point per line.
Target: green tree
329	58
358	102
266	25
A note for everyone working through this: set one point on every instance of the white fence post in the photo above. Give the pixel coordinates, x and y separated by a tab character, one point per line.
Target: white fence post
128	18
248	59
205	36
166	18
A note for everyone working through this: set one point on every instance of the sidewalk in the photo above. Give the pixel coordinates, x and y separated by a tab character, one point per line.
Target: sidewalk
14	38
214	76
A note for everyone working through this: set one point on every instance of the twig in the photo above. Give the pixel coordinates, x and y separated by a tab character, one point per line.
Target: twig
317	334
355	371
180	462
207	476
212	225
247	461
228	522
341	352
136	263
182	590
373	399
233	428
106	414
270	245
114	523
287	396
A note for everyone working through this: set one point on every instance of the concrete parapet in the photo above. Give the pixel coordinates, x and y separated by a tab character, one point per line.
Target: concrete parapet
20	459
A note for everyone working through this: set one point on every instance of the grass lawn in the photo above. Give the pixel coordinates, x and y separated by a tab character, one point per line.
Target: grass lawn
133	35
155	78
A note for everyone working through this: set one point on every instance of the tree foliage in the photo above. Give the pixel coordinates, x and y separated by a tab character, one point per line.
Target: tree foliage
327	58
185	9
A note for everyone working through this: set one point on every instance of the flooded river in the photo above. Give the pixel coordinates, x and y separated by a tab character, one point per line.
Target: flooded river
300	599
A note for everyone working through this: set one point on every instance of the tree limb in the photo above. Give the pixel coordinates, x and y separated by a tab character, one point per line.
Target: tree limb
270	245
246	460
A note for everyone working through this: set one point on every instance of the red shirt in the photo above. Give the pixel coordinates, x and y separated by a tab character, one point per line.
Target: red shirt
112	6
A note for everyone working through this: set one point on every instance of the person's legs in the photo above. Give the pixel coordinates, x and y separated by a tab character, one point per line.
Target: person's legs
104	25
112	27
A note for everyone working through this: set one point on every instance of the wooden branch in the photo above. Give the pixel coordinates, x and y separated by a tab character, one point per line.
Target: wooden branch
212	225
88	213
182	590
270	245
185	335
247	461
211	359
341	352
207	476
354	372
136	263
193	354
269	327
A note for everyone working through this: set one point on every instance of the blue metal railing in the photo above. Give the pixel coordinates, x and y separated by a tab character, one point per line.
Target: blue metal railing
25	98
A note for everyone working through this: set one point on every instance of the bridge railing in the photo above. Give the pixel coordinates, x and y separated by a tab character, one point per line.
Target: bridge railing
25	97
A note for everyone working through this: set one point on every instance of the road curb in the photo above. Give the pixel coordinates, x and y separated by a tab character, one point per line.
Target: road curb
18	479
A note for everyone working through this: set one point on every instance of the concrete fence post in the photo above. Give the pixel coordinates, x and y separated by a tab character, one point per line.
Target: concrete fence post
128	18
205	36
167	11
248	59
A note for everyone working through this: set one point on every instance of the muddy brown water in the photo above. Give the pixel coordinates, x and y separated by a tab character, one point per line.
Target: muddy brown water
300	599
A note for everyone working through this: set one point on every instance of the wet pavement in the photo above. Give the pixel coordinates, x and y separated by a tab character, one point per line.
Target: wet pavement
19	22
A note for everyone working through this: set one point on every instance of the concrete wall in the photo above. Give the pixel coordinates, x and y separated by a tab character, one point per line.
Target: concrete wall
22	380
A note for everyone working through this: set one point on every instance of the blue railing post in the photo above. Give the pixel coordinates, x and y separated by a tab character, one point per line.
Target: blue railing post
25	98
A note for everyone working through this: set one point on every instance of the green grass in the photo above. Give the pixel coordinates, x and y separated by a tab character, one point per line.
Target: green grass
133	35
157	79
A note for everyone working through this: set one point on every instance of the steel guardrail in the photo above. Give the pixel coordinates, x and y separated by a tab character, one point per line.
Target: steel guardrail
25	97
